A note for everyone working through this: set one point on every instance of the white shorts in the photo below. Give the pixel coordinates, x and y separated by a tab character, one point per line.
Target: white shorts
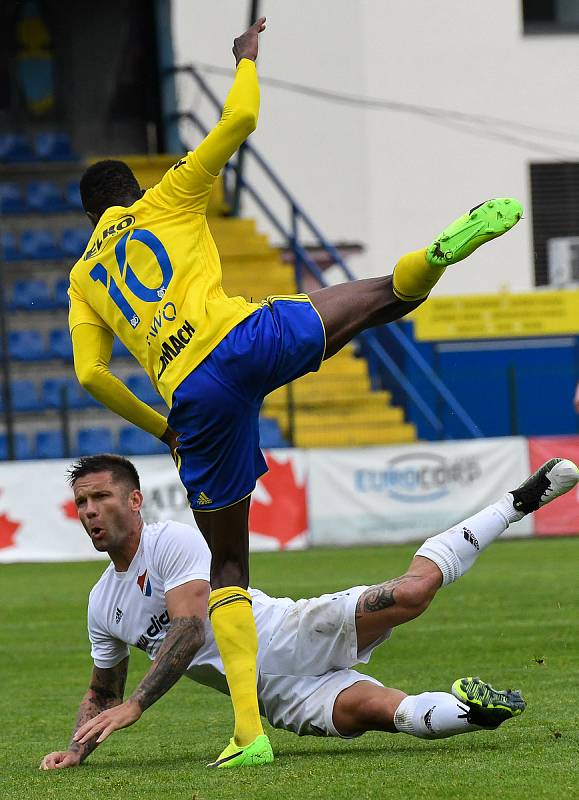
309	661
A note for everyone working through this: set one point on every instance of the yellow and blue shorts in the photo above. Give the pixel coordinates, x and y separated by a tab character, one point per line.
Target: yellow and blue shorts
216	408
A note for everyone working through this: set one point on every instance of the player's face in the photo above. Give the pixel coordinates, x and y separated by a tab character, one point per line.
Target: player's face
107	509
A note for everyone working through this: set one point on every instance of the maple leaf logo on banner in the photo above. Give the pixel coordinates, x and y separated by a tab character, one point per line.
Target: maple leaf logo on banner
285	517
8	530
69	510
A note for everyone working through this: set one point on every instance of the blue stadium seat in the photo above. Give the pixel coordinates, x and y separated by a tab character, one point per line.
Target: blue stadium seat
61	293
141	386
54	146
26	346
135	442
72	194
9	246
52	393
49	444
270	434
33	295
74	241
45	196
14	148
95	440
119	349
24	396
39	244
59	344
21	445
11	199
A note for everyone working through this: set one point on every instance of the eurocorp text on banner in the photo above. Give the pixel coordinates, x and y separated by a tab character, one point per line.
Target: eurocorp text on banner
39	522
399	494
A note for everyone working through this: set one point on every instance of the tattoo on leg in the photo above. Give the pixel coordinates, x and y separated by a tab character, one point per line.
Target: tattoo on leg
377	598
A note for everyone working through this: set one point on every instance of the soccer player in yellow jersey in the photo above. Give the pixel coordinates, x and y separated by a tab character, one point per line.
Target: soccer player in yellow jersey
151	276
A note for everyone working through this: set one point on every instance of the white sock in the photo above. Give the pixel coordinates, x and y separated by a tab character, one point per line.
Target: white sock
432	715
454	551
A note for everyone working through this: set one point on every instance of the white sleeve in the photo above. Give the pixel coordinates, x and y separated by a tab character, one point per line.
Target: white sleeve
181	555
106	651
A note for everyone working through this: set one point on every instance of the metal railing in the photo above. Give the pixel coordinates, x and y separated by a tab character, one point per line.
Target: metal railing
290	232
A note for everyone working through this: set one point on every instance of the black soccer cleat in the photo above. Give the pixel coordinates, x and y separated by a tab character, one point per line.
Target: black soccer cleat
487	707
557	476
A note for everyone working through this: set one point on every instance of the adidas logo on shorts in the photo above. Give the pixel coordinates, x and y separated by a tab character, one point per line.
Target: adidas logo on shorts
203	500
470	538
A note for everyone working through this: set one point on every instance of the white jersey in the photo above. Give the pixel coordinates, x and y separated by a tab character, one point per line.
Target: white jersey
129	608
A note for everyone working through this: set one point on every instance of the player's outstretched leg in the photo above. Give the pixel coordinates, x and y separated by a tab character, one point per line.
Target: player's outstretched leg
455	551
443	558
472	705
350	308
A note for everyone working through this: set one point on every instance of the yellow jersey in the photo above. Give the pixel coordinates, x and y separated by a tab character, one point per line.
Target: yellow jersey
151	274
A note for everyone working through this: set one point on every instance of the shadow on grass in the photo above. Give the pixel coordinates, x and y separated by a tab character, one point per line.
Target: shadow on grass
306	751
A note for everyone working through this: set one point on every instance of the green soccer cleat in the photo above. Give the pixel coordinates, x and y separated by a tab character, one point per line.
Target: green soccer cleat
480	225
252	755
488	707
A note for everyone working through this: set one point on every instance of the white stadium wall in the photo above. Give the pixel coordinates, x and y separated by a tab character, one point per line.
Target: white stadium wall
391	179
375	495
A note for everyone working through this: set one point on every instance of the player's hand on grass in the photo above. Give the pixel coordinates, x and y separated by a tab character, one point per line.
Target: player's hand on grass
245	46
109	721
60	760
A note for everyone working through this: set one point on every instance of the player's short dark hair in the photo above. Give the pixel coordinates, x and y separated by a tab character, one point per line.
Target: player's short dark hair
121	469
108	183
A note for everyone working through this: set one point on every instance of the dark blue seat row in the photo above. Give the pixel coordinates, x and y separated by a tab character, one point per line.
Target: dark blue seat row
28	396
50	443
37	295
44	244
131	441
30	345
47	146
39	196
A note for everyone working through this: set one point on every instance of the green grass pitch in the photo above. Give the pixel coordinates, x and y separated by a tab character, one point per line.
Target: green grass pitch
511	620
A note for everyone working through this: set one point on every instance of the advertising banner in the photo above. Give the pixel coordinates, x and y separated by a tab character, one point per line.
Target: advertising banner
39	522
561	517
398	494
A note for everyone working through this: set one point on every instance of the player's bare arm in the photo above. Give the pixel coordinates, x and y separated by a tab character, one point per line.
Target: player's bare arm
186	606
106	691
246	45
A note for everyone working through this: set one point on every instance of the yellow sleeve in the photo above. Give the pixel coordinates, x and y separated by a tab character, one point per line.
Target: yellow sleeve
189	182
80	311
92	347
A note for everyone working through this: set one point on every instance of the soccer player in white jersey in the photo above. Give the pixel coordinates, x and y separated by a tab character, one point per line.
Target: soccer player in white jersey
154	594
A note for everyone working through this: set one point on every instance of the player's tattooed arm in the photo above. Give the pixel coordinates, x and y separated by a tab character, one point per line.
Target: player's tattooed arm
183	639
106	690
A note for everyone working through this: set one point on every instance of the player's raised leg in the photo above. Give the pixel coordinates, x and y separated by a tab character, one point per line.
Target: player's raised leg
348	309
234	630
442	559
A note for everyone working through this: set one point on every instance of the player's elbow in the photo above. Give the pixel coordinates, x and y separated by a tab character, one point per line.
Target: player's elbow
87	376
245	120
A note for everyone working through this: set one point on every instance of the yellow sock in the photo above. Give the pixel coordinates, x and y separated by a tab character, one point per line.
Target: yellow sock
414	277
236	636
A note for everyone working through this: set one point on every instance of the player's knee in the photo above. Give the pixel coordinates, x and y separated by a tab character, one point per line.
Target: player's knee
417	594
